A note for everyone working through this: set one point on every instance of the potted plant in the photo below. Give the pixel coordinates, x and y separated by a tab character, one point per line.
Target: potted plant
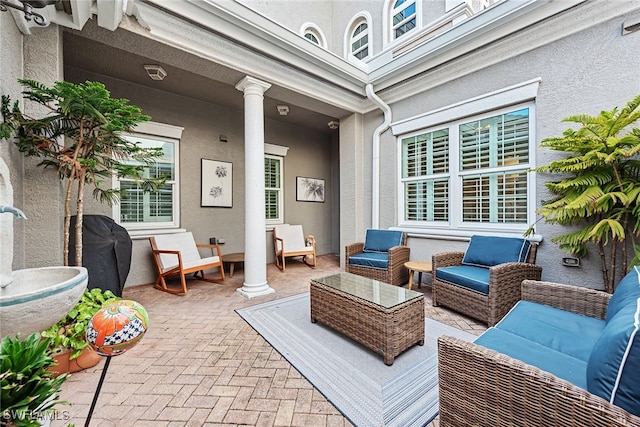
80	138
598	191
66	338
28	391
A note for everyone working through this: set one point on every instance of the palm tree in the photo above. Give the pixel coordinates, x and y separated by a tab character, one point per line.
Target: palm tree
599	188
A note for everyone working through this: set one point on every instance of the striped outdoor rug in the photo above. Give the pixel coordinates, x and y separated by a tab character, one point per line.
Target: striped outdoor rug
353	378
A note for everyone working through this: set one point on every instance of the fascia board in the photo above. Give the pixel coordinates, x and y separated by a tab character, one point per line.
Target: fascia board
249	28
493	24
210	45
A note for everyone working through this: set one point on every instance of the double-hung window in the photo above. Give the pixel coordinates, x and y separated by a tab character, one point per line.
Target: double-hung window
273	197
471	173
140	208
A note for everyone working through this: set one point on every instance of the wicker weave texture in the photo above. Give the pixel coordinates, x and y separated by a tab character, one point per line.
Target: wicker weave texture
576	299
397	274
388	332
494	390
505	282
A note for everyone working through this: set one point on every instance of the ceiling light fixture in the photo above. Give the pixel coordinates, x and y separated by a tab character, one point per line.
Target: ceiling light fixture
283	109
155	72
333	124
27	8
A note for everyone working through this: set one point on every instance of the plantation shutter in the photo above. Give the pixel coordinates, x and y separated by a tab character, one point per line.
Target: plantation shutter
495	151
425	165
272	187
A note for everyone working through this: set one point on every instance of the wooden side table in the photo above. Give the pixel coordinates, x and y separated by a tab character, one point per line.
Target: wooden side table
232	259
420	267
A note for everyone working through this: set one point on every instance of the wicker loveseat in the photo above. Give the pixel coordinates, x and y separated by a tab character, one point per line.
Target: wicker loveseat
380	257
564	356
484	281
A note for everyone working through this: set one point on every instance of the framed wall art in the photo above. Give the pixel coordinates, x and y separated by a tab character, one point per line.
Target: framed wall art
216	184
309	189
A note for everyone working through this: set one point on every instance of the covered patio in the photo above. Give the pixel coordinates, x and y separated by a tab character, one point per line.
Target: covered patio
201	364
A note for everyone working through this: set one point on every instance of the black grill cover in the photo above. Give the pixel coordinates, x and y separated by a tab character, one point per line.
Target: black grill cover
106	252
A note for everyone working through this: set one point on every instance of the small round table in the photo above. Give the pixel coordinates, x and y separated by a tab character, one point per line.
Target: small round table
420	267
232	259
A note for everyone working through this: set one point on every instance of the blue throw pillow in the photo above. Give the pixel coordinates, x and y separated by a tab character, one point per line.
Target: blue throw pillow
382	240
627	291
487	251
613	370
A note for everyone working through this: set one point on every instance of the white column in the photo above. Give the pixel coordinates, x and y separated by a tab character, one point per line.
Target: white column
255	243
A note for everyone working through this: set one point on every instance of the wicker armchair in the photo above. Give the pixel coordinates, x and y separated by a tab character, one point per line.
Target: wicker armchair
480	387
504	281
380	257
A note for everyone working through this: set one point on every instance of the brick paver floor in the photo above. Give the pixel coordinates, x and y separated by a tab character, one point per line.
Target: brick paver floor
200	364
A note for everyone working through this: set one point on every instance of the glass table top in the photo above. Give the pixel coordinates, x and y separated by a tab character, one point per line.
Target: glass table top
373	291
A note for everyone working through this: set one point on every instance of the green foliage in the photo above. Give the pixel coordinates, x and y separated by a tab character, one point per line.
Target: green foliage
80	138
599	188
69	332
27	389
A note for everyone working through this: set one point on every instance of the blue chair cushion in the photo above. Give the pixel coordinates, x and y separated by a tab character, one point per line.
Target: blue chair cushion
563	331
559	364
627	291
613	371
371	259
382	240
487	251
467	276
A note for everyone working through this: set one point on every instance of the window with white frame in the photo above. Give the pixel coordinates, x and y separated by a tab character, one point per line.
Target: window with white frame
312	32
470	173
273	194
403	17
140	208
360	40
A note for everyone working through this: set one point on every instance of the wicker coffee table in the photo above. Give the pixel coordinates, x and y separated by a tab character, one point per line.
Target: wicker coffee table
387	319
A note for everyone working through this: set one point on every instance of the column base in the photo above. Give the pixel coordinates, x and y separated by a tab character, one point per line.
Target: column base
253	291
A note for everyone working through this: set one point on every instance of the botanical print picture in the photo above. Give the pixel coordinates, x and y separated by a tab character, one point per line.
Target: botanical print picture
217	184
309	189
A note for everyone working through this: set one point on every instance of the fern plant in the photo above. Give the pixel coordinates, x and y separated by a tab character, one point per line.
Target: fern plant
598	190
80	138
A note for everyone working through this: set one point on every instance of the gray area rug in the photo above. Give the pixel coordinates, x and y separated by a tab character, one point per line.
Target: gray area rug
353	378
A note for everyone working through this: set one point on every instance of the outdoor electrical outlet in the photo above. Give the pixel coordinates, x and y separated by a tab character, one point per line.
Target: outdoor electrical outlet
221	241
571	262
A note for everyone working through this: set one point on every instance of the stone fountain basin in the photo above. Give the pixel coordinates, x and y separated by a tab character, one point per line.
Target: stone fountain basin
39	297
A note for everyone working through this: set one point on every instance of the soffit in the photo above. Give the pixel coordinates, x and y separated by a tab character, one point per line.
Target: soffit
121	55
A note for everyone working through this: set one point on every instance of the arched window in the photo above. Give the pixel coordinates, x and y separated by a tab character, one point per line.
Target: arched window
403	18
312	33
359	44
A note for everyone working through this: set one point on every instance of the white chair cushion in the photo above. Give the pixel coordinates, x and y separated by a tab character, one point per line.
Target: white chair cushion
183	242
293	238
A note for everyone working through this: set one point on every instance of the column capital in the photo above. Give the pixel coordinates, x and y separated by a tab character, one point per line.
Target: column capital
251	84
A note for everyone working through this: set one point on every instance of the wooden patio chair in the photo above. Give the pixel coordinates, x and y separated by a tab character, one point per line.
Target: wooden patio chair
289	241
178	254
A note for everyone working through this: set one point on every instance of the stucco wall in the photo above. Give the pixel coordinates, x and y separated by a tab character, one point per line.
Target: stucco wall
587	72
310	155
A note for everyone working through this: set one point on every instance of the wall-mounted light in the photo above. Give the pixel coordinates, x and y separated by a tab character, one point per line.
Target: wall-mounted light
155	72
283	109
334	124
27	9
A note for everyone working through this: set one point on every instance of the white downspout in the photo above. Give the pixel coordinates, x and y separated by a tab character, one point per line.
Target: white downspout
375	182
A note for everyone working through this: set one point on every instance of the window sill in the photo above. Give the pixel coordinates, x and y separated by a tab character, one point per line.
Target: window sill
145	234
460	235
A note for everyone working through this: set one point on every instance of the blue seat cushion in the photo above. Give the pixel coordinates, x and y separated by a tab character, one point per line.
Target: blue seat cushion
559	364
467	276
371	259
487	251
563	331
627	291
382	240
613	371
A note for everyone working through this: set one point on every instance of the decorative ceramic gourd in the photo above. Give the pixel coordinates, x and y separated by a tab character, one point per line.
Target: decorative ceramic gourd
117	327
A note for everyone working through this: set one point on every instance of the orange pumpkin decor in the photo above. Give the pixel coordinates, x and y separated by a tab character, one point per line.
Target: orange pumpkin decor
117	327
